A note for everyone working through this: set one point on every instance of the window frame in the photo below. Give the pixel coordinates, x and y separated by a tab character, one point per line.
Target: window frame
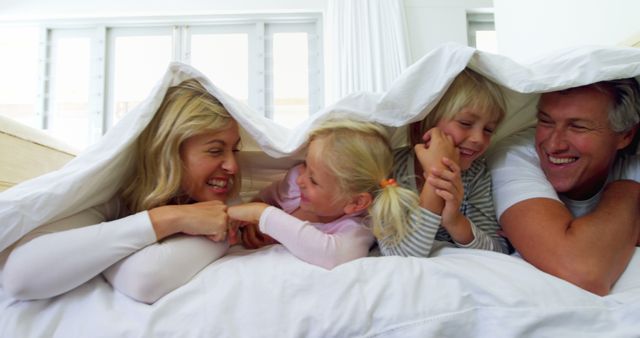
103	32
479	20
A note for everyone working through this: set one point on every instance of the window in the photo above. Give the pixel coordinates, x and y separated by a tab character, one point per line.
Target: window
69	107
222	54
292	68
481	31
138	57
78	79
19	68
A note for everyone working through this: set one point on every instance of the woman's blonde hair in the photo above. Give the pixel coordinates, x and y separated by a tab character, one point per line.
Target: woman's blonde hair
187	110
468	89
359	154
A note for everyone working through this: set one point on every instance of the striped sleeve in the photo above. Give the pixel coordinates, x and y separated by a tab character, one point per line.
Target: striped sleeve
419	240
479	209
423	224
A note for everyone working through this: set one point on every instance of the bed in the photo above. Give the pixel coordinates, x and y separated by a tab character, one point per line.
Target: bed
270	293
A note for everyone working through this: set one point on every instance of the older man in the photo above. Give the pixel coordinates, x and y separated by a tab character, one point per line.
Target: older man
568	197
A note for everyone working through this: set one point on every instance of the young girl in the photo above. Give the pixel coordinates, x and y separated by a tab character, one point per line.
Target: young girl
444	166
317	211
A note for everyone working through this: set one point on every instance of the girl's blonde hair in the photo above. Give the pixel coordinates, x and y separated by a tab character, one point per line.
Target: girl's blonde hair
187	110
468	89
359	154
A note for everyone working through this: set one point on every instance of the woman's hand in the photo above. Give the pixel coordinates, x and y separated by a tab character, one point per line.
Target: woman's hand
203	218
448	186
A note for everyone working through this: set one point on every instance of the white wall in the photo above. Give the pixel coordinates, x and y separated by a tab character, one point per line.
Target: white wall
431	23
527	29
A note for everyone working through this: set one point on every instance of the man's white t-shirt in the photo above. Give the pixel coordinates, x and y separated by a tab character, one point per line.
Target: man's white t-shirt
516	175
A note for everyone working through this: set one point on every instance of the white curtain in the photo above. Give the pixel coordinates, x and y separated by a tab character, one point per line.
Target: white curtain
367	43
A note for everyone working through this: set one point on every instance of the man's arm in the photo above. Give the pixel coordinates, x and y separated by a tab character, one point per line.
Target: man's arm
590	251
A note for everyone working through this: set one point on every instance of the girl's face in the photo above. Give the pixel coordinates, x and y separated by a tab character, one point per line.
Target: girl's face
471	131
319	190
210	164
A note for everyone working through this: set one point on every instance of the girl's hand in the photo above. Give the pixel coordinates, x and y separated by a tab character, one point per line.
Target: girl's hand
248	212
448	185
202	218
233	232
437	145
253	238
249	216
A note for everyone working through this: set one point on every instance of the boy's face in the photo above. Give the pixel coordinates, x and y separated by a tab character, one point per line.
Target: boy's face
471	131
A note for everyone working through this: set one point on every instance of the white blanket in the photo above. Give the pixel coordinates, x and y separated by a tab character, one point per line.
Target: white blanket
269	292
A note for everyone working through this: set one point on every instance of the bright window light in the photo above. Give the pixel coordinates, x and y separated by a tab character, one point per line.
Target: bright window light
224	59
69	107
139	63
487	41
19	69
290	78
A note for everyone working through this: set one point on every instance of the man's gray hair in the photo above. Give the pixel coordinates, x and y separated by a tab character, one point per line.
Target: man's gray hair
625	112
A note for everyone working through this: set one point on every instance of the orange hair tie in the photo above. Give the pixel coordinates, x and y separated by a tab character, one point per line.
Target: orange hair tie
388	182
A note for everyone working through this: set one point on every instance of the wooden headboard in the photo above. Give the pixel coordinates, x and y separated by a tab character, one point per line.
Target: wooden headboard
26	152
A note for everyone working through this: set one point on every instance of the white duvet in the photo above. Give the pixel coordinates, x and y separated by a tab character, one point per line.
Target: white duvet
270	293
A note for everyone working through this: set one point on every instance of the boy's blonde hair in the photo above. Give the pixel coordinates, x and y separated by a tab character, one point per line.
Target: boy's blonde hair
187	110
359	154
468	89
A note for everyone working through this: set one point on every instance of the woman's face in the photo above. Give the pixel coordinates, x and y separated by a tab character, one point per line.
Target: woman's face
210	164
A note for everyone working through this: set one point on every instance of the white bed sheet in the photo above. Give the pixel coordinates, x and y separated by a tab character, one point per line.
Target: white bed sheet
270	293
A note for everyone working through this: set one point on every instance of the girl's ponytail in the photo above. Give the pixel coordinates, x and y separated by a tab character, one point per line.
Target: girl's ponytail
390	211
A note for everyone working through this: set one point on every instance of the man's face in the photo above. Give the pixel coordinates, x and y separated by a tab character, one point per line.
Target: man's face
574	140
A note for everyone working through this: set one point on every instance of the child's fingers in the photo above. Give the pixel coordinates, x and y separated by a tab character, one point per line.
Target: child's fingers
451	164
452	174
447	181
249	240
440	183
252	238
446	174
427	136
445	195
233	237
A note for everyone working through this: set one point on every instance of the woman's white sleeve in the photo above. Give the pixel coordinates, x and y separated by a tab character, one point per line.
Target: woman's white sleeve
160	268
50	261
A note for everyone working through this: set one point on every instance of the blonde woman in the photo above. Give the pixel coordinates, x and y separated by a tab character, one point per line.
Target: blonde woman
446	167
185	171
318	211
